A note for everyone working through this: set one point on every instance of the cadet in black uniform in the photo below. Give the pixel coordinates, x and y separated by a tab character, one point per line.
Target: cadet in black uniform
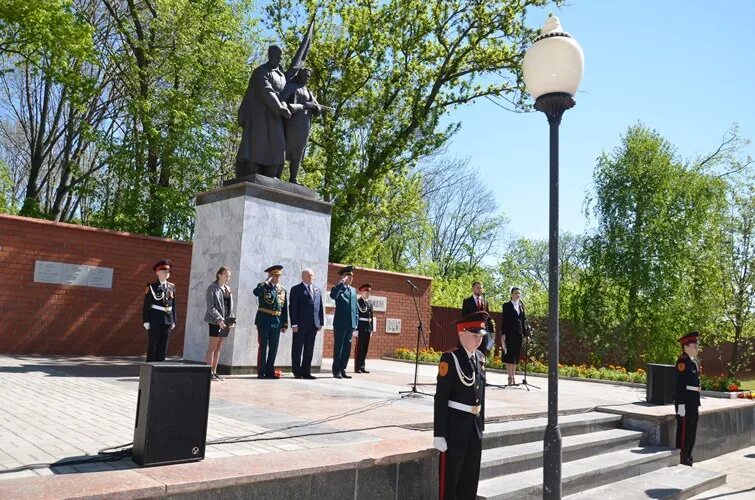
159	311
365	327
460	410
687	399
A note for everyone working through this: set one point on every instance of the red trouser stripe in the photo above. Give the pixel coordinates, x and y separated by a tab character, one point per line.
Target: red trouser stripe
442	476
684	436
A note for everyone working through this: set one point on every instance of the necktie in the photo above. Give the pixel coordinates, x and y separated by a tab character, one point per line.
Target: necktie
309	290
473	362
479	303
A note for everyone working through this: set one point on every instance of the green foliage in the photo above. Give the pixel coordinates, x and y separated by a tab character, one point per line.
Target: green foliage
47	33
6	190
654	259
610	373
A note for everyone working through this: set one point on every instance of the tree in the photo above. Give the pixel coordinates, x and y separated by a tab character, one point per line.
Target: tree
739	276
525	265
655	255
392	70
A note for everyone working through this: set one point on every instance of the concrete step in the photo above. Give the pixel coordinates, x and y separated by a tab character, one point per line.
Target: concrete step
727	492
579	475
523	431
678	483
521	457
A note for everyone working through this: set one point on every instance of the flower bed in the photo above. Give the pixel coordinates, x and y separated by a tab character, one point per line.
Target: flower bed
746	395
612	373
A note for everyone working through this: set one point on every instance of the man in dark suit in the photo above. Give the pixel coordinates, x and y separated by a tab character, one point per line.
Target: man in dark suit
271	321
345	320
477	303
159	311
307	318
460	411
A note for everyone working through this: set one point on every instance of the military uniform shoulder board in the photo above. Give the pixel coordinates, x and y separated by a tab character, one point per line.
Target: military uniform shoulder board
443	369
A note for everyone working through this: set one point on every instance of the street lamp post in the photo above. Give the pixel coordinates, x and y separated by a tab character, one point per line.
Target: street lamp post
553	69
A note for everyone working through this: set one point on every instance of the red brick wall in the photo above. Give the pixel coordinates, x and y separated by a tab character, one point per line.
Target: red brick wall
400	305
45	318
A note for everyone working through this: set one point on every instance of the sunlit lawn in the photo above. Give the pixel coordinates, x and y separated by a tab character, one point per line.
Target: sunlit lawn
749	383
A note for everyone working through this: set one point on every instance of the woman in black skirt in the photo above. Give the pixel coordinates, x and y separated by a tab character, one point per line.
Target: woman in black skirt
513	330
219	309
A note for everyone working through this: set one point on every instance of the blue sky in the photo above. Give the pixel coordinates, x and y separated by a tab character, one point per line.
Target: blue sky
684	68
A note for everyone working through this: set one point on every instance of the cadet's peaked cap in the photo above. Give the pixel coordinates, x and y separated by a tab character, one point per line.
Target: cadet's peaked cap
347	270
162	264
474	323
690	338
274	270
366	286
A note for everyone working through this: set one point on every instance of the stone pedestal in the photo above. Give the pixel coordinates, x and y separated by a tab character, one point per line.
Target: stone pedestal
249	226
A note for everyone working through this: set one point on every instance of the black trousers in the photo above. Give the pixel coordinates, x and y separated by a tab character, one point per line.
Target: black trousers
363	344
686	433
302	349
158	343
460	469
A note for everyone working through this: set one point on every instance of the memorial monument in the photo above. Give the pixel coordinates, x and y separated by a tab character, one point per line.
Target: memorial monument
256	220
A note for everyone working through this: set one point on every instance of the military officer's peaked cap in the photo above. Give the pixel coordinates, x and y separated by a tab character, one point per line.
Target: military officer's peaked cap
276	270
162	264
347	270
473	323
690	338
366	286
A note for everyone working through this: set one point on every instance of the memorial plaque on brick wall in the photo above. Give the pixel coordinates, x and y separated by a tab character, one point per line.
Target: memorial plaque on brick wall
379	304
392	325
62	273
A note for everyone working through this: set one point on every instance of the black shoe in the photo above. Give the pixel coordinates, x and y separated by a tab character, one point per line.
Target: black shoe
337	375
344	375
309	377
274	377
218	377
298	376
365	371
260	375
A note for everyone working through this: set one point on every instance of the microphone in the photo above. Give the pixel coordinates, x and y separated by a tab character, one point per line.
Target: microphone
412	284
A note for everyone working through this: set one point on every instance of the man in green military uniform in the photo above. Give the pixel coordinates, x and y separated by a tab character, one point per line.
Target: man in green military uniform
345	320
687	398
271	321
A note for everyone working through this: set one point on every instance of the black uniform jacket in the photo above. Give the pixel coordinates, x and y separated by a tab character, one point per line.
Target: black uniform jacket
687	375
155	295
451	423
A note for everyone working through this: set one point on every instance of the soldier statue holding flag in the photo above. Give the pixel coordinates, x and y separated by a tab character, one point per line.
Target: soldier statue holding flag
276	114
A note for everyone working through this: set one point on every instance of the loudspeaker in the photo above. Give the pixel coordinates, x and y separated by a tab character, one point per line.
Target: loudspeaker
661	384
171	413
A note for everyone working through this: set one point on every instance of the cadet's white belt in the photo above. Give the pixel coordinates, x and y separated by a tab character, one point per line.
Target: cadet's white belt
693	388
364	319
166	309
474	410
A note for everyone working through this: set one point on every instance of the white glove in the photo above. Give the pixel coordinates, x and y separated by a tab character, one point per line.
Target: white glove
439	443
173	326
146	326
681	410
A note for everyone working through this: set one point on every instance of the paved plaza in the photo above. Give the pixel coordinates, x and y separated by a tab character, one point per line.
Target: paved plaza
56	410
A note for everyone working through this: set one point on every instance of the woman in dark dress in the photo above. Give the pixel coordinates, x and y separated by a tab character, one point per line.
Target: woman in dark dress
513	330
219	309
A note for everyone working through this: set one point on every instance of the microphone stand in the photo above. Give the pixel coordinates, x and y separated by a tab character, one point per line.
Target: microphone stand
414	393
